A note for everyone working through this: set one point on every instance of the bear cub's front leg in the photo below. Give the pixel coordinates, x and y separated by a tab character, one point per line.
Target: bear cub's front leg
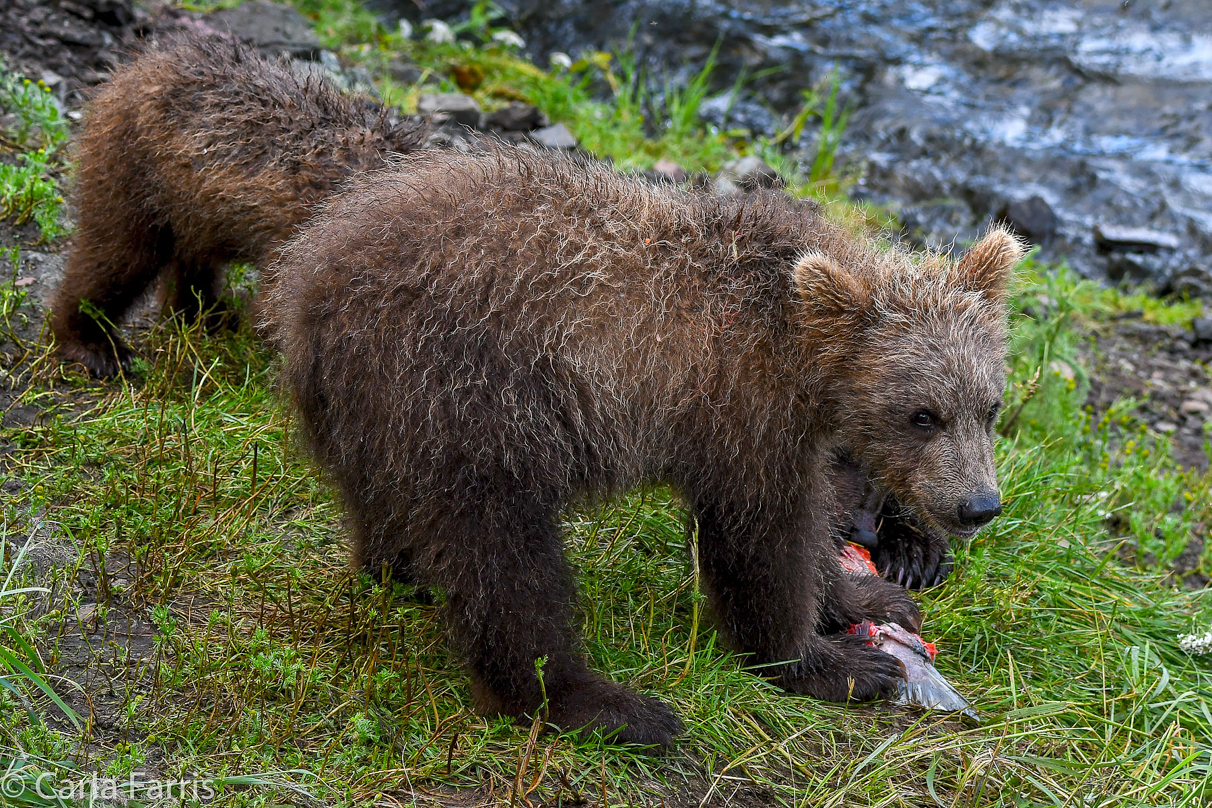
778	590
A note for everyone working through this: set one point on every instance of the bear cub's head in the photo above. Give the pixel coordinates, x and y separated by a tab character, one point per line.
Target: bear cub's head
916	347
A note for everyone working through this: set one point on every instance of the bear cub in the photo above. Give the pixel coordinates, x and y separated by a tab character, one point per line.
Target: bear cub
472	341
199	153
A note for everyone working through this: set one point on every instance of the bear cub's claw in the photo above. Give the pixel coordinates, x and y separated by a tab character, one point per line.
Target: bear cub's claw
914	566
623	715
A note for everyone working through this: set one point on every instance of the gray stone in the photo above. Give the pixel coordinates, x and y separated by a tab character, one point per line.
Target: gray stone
359	81
1202	326
1193	406
669	170
555	137
460	108
270	27
54	82
1133	239
516	118
748	174
403	72
1032	218
1193	281
1136	267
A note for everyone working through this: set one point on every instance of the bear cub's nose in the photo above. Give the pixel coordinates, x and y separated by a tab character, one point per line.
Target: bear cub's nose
978	510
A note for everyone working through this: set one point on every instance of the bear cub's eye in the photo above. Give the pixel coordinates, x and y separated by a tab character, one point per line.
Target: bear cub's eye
924	419
991	419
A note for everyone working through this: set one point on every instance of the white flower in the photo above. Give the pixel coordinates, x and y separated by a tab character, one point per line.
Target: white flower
439	32
1196	644
508	38
560	59
405	29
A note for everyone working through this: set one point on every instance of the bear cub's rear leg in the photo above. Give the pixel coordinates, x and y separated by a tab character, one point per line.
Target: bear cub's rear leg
110	266
510	594
193	290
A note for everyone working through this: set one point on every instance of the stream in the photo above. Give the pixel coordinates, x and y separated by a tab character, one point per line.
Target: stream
1086	124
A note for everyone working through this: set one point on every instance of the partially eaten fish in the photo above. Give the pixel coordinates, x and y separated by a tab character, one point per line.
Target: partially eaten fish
924	686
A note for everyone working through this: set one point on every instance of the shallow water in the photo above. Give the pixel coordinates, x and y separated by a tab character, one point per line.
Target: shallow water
1102	110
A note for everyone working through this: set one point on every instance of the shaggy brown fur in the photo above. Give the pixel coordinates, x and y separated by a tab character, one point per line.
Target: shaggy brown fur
473	341
903	548
195	155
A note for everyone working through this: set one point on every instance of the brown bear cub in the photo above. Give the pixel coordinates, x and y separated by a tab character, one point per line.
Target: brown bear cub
197	154
473	341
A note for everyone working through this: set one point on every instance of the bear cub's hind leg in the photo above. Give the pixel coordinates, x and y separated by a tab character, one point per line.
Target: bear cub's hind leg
112	263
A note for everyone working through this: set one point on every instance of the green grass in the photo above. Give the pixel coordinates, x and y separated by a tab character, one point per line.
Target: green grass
31	155
276	670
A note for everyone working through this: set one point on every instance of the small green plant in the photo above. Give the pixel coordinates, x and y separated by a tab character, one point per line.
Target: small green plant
820	102
27	192
28	188
39	122
480	19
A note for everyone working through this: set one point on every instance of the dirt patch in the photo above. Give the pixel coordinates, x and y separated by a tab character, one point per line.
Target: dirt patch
69	44
1163	367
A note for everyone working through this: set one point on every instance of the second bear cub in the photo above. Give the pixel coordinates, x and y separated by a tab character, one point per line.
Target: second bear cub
474	341
199	153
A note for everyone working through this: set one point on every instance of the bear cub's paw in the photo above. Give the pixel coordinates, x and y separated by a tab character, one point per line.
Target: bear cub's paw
623	715
842	668
102	361
885	602
914	564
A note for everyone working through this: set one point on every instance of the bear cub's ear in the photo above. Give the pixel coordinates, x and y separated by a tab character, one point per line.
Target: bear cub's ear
988	267
826	286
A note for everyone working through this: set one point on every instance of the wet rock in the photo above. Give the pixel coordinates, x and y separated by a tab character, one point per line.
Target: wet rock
69	39
1194	406
1133	239
351	80
1032	218
1099	108
272	28
1192	281
109	12
747	174
457	107
1202	327
667	169
54	82
555	137
939	223
516	118
1138	267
